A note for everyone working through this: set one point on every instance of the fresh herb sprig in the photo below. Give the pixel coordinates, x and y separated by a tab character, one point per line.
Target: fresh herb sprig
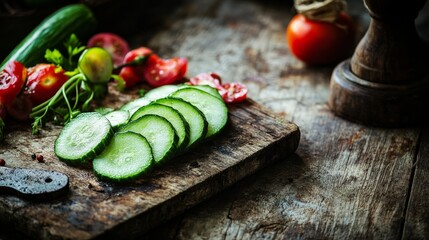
88	77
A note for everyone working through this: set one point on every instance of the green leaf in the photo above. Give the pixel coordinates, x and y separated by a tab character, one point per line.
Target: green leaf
142	92
120	82
54	56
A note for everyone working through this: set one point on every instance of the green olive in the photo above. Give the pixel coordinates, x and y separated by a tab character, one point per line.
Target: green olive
96	65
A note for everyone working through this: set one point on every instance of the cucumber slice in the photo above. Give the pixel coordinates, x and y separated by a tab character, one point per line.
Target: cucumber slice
83	138
160	92
127	156
193	116
173	116
159	133
135	104
208	89
213	108
117	118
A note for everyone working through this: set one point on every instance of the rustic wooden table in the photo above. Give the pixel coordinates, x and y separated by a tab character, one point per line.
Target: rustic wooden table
345	181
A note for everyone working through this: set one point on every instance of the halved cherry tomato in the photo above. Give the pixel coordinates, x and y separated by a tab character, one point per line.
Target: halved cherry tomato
129	75
211	79
44	80
20	108
158	72
235	92
135	55
114	44
318	42
12	81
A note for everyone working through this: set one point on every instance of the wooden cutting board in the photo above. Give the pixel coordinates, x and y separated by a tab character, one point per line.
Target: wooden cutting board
253	138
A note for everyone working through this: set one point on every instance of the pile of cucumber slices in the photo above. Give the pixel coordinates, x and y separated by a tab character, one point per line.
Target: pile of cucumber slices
126	143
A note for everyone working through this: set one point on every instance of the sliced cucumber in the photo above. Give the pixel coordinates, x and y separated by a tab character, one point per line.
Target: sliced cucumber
161	92
173	116
135	104
214	109
193	116
208	89
159	133
127	156
83	138
118	118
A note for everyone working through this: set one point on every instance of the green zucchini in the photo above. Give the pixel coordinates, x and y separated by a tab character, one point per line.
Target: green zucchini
52	33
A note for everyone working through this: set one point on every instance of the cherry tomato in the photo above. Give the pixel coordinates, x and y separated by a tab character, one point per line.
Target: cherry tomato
129	75
235	92
158	72
135	54
211	79
20	108
114	44
317	42
12	81
44	80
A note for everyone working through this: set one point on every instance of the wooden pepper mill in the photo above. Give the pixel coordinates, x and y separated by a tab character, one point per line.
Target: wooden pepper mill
386	82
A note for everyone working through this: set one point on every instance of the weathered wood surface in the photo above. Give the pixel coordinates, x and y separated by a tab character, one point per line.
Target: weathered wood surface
416	221
345	181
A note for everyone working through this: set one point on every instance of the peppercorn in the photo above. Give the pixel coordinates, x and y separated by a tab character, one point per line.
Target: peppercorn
33	156
2	162
40	158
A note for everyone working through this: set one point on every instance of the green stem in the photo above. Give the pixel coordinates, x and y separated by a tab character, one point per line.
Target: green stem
57	95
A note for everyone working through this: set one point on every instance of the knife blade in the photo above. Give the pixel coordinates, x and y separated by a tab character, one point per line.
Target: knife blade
35	184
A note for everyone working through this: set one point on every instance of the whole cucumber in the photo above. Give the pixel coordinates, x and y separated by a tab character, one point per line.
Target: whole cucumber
52	32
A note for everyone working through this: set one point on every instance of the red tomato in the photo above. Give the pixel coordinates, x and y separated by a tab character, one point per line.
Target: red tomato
114	44
235	92
158	72
317	42
20	108
129	75
211	79
44	80
12	81
135	54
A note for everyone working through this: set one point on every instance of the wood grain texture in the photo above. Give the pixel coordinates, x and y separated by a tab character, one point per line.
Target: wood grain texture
416	219
346	181
253	138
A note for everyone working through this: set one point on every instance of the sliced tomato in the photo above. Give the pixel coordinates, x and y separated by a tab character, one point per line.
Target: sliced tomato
211	79
44	80
12	81
129	75
114	44
235	92
158	71
138	54
20	108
